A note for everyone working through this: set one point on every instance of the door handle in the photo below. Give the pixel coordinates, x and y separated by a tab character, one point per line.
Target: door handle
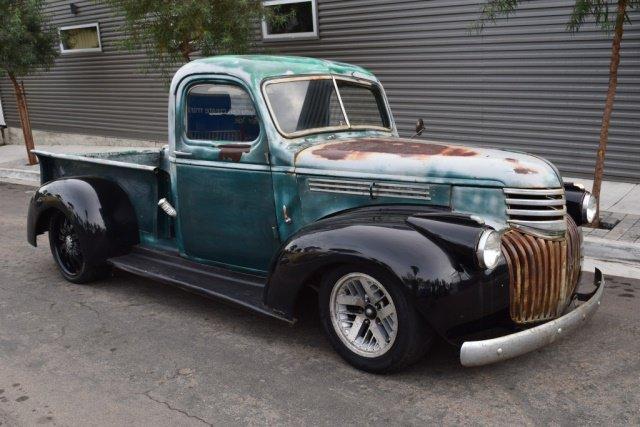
182	153
285	214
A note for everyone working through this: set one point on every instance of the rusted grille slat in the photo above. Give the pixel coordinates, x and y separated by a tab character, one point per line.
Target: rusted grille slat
514	275
543	273
546	277
552	278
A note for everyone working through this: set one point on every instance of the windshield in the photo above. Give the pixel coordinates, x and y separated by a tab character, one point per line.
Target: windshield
319	104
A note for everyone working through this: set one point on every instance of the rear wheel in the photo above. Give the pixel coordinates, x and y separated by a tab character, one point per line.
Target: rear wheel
369	320
67	253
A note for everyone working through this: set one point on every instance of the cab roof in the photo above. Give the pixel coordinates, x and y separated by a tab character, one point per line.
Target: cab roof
253	69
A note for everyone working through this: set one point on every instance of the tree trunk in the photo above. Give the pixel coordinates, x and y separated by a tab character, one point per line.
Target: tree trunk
185	50
21	102
608	107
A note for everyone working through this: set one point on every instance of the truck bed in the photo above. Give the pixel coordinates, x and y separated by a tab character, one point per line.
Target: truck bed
137	159
141	174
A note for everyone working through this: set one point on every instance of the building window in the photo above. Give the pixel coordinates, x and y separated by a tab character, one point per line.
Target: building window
221	112
301	20
80	38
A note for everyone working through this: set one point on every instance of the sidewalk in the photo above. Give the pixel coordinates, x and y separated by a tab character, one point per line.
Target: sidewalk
620	204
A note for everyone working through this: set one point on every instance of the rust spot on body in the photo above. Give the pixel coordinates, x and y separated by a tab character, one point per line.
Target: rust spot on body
523	170
356	149
233	152
519	168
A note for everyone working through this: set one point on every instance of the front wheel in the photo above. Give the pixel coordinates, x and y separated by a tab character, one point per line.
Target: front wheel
66	251
369	320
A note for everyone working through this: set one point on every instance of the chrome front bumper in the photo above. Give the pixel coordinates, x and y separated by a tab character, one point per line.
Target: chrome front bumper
478	353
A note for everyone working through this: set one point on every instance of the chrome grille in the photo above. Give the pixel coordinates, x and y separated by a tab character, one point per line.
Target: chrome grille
370	188
543	273
539	211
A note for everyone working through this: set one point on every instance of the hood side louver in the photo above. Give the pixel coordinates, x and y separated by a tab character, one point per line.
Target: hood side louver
370	188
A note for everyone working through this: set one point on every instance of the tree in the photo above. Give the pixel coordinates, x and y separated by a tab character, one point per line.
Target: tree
26	45
609	20
171	31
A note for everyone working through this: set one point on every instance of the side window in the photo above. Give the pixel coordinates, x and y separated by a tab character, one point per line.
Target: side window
221	112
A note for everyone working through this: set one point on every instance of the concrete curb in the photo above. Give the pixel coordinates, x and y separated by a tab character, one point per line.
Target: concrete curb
612	250
21	175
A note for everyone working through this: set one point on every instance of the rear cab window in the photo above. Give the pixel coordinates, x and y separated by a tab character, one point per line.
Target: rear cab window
221	113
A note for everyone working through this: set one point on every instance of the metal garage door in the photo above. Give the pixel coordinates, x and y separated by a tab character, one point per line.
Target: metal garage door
524	84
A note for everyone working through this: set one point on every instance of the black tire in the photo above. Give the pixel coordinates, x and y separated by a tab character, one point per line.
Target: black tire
413	337
63	240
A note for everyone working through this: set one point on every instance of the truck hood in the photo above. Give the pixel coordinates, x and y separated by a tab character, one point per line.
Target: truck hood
410	159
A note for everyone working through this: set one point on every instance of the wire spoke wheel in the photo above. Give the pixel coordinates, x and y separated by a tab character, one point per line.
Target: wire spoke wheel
66	246
363	315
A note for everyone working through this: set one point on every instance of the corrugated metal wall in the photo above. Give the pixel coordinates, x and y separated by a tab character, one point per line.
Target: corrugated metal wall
524	84
103	93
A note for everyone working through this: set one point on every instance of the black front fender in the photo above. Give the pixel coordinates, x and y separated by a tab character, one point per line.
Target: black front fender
431	253
100	210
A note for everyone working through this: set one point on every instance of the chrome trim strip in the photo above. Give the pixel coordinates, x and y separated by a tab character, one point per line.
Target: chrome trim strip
539	228
99	161
536	202
344	112
550	223
532	212
400	178
535	191
478	353
221	165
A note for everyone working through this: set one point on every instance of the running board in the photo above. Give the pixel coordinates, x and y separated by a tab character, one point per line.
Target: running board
242	289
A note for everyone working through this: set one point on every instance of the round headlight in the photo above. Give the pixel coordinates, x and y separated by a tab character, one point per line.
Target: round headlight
489	249
589	208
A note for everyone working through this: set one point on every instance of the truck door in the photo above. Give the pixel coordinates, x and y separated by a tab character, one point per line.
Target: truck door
223	188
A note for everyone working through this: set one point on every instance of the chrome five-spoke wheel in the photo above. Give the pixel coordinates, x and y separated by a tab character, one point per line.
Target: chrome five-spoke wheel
370	318
363	315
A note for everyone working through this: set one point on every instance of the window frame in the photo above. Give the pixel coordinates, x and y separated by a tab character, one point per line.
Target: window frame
327	129
291	36
212	143
75	27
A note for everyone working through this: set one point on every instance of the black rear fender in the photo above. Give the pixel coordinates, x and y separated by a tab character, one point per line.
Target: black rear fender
100	210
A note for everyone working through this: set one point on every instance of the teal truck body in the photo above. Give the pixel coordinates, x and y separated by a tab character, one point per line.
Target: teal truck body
266	152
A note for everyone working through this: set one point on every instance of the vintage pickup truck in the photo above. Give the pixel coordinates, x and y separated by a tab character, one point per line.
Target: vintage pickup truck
284	174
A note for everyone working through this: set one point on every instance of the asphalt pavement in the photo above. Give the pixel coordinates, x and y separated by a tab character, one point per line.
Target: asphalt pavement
128	351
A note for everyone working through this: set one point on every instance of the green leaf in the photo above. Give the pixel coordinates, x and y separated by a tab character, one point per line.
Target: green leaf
27	41
170	31
602	12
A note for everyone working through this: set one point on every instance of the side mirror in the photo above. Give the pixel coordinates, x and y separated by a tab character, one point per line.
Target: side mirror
419	128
